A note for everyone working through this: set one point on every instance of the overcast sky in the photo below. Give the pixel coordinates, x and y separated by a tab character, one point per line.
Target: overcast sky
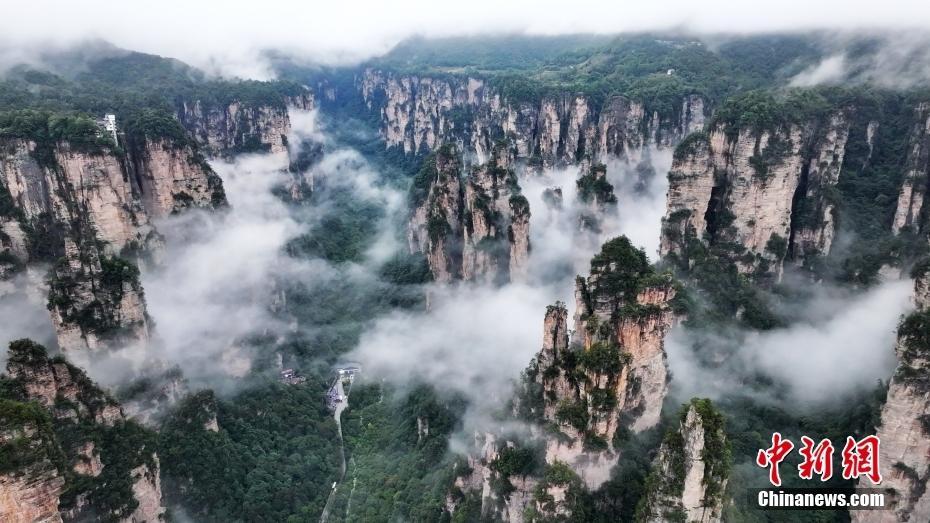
226	35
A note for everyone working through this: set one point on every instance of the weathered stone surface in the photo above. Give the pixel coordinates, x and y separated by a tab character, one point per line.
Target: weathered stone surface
92	308
752	183
815	235
75	403
904	454
46	381
618	345
88	461
435	227
174	178
420	113
31	496
690	472
529	497
641	385
474	230
89	211
225	129
91	188
146	489
916	173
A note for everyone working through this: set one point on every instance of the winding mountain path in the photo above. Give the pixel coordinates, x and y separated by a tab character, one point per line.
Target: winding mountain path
337	414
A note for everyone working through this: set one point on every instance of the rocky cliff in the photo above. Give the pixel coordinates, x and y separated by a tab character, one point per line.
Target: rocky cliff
611	376
173	177
87	211
83	458
30	483
226	128
772	180
78	210
689	474
904	454
581	393
420	113
910	208
474	229
503	480
755	189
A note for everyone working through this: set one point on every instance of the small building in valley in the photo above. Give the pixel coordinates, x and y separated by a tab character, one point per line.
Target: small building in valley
291	377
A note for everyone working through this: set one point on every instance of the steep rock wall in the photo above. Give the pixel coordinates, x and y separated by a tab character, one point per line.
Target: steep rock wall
29	493
910	208
743	187
77	420
690	472
81	211
622	313
904	454
435	225
420	113
225	129
815	226
580	391
476	229
514	496
74	186
88	213
173	178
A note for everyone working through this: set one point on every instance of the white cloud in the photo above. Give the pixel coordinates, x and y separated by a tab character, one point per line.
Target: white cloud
223	272
475	341
831	70
846	345
227	37
23	313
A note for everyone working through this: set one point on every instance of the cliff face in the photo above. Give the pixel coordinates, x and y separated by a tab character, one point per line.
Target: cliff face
904	454
29	493
624	303
582	389
509	486
79	208
690	472
84	456
476	229
756	190
612	374
815	226
420	113
916	173
146	490
95	302
73	186
172	178
59	386
225	129
89	213
435	225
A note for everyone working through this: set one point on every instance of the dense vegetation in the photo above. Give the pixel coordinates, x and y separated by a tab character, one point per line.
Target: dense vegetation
396	448
527	68
593	187
277	444
62	430
276	450
144	91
